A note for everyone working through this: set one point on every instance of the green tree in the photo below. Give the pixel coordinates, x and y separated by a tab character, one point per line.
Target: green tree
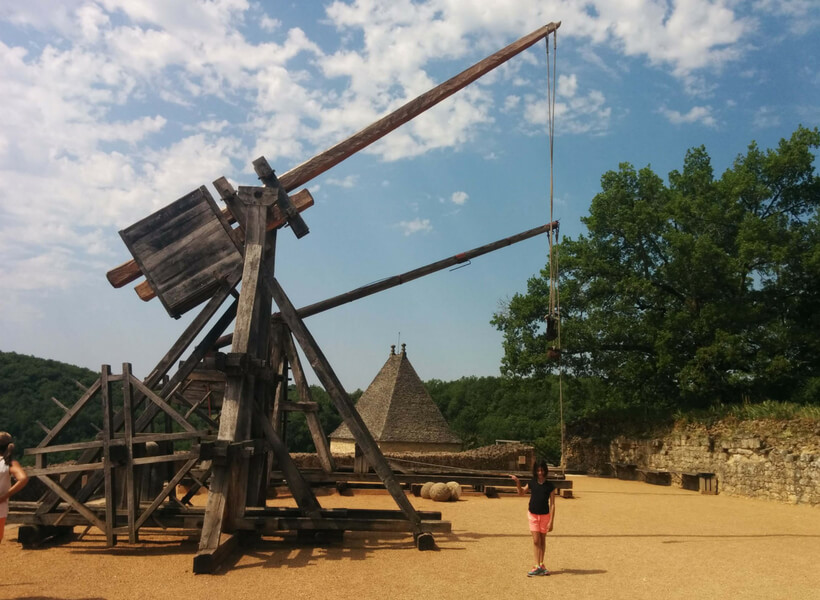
697	292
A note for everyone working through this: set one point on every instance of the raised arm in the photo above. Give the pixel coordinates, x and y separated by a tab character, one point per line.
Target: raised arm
521	490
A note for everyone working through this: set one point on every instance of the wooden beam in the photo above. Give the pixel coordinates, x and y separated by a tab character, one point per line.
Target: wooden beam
108	469
60	404
208	562
268	177
73	503
89	393
304	496
238	400
396	280
342	401
128	425
312	417
169	487
343	150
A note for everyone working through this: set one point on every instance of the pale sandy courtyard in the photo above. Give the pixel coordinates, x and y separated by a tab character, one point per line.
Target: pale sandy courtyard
615	539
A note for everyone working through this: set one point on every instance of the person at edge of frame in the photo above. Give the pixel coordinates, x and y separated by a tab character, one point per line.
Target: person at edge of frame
541	512
9	468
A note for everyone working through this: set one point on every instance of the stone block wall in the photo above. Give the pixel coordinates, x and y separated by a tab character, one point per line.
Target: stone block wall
498	457
775	460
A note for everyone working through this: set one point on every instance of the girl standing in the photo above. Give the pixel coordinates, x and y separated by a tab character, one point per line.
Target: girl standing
541	512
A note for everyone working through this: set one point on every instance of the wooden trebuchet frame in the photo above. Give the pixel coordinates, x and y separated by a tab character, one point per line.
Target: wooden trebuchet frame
235	462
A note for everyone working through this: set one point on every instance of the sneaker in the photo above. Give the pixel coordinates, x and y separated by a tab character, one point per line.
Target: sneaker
544	570
535	571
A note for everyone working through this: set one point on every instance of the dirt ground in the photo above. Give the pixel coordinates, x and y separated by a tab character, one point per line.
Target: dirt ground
614	539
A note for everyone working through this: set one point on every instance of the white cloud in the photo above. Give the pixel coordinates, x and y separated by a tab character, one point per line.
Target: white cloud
577	112
347	182
415	226
697	114
269	24
459	198
801	15
765	117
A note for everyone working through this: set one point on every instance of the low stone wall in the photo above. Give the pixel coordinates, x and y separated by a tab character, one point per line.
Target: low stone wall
498	457
775	460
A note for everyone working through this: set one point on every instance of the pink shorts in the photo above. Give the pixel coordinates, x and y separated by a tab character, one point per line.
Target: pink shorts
539	522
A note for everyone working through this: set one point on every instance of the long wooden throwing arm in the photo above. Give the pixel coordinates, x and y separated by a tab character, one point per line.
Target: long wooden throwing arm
333	156
395	280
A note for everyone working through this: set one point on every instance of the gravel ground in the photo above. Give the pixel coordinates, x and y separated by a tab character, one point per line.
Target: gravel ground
614	539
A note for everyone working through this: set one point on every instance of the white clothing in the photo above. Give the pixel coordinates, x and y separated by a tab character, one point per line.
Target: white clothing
5	485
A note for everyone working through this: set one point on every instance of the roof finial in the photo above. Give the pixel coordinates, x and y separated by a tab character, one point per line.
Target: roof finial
392	349
403	351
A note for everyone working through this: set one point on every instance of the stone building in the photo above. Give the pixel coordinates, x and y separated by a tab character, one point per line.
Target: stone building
399	413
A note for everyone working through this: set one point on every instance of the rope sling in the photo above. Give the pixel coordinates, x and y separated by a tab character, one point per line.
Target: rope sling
553	320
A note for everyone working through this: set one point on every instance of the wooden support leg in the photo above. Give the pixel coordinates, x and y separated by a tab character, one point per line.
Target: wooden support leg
108	468
342	401
302	493
315	427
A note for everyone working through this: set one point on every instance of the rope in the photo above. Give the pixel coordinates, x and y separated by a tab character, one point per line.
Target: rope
554	299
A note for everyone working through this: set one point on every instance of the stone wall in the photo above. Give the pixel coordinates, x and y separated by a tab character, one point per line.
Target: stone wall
498	457
775	460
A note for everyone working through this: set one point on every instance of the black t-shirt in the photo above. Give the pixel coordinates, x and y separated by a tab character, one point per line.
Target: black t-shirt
540	496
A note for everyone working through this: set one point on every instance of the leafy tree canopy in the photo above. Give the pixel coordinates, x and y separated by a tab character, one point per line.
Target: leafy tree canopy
691	293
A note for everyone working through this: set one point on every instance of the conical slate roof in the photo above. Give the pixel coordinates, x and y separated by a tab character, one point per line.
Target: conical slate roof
397	408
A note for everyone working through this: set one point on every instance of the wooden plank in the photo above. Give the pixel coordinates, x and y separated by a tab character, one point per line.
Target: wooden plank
207	561
169	487
341	400
305	407
78	506
130	489
66	419
108	471
276	524
61	469
165	458
312	418
167	408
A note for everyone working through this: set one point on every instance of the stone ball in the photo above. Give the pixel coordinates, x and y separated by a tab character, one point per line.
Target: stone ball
455	490
425	490
440	492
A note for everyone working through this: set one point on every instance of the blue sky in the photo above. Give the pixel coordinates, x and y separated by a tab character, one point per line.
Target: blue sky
114	108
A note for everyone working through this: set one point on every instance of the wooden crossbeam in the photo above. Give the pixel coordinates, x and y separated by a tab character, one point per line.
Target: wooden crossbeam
162	368
70	414
87	514
312	417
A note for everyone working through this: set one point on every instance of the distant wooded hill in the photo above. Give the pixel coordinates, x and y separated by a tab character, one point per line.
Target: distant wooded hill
27	386
479	409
